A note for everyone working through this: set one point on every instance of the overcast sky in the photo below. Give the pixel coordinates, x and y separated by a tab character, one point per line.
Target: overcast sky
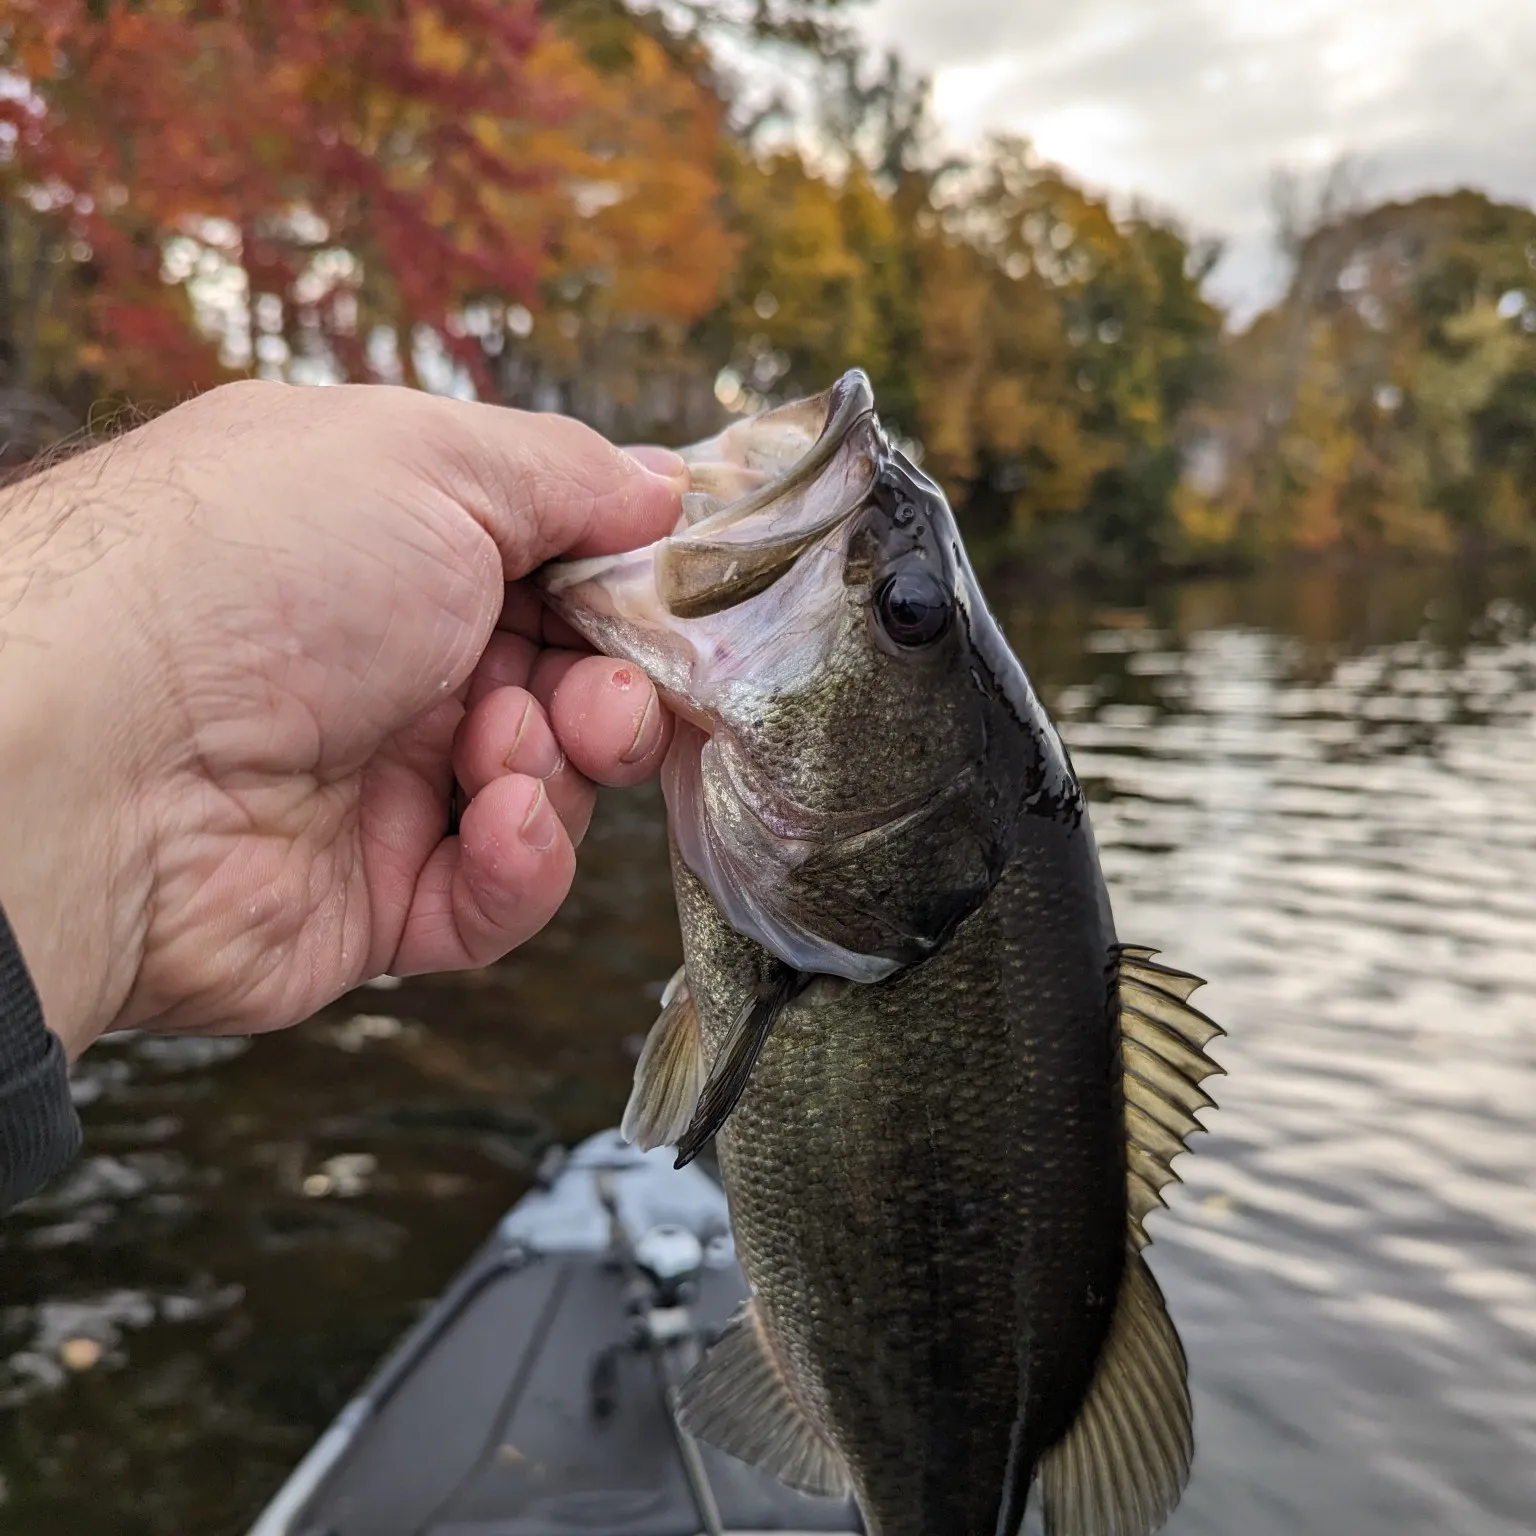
1192	103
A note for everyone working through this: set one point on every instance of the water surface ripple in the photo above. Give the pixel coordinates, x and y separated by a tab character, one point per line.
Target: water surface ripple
1318	792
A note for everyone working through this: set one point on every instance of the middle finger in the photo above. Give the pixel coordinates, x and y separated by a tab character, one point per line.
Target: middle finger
506	732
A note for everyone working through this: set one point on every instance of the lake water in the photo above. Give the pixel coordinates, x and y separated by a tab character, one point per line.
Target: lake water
1319	792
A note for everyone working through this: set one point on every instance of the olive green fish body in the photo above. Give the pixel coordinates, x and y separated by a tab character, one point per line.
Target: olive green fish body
926	1180
945	1095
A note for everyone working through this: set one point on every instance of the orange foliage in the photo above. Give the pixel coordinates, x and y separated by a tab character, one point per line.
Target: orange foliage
638	151
280	134
355	166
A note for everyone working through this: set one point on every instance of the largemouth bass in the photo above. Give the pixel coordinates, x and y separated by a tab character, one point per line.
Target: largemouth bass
946	1096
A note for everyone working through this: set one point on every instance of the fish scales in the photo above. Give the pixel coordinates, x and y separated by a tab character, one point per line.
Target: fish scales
904	1223
945	1096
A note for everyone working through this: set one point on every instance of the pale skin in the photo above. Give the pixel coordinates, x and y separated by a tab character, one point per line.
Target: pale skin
245	652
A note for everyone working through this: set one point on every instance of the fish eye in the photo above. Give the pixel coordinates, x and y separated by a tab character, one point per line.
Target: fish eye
914	607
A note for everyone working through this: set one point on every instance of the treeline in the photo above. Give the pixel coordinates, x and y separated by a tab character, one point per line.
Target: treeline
650	217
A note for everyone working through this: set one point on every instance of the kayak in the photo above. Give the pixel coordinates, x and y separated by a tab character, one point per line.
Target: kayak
534	1397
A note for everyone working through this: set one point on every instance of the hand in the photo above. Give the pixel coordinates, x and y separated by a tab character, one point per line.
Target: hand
244	653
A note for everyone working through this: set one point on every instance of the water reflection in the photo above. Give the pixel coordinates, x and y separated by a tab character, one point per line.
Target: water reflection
1314	791
1329	812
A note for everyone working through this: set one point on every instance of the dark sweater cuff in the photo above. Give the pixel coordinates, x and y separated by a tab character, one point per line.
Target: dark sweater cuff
39	1128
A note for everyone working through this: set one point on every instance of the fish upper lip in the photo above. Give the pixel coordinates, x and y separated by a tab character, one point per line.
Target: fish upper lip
851	406
855	384
804	468
846	408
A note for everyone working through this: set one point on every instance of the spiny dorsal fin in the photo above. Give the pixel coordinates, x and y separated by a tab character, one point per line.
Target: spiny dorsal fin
669	1075
1120	1469
1162	1045
741	1402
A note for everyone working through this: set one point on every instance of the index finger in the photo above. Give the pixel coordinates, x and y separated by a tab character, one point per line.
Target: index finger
544	486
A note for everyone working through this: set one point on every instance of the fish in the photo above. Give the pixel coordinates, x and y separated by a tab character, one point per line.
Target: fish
944	1096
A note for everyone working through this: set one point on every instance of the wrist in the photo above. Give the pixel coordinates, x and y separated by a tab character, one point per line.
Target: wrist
74	867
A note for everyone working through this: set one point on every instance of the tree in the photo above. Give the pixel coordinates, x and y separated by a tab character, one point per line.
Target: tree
643	249
1387	402
1062	350
318	168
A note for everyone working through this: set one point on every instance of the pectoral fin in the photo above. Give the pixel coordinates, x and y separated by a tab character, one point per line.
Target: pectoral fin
669	1075
741	1401
1121	1467
737	1056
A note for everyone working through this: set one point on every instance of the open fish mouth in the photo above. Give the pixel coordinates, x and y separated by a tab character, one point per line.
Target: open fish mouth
743	605
765	493
852	710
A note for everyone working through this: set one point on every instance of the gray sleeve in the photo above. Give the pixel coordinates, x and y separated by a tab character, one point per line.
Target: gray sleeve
39	1129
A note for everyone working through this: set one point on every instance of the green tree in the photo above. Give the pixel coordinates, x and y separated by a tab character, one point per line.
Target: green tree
1386	404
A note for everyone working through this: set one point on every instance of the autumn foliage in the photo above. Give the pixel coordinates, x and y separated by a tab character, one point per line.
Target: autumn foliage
587	207
332	174
1389	402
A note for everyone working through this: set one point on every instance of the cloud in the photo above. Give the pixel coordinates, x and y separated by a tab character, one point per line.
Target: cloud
1193	103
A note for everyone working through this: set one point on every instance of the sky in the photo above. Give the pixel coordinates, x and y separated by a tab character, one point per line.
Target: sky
1191	104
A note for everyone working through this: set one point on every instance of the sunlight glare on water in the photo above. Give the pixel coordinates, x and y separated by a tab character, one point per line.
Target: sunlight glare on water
1350	855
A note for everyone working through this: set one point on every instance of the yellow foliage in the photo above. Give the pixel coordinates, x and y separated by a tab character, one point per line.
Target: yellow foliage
632	214
1390	402
1207	525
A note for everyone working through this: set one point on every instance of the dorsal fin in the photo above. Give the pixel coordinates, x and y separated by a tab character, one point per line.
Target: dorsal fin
669	1075
1162	1045
741	1402
1120	1469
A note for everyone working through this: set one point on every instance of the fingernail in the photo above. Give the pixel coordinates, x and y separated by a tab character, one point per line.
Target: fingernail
660	461
646	733
540	757
540	826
